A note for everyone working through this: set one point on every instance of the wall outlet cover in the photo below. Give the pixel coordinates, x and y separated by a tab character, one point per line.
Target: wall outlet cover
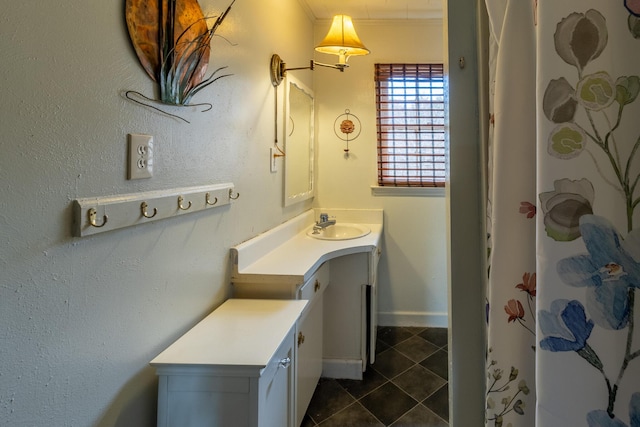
140	156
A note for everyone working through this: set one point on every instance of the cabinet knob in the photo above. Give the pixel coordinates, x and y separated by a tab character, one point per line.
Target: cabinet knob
284	363
316	286
300	339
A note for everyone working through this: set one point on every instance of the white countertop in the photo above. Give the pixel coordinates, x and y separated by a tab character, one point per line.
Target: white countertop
241	332
288	254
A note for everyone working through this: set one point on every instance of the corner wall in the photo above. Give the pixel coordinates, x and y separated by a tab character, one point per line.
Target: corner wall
82	317
466	24
413	268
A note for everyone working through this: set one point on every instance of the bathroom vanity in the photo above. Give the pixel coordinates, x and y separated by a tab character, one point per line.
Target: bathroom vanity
304	306
234	368
338	277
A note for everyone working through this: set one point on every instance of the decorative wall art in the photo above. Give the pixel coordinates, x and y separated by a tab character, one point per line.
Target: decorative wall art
172	41
349	126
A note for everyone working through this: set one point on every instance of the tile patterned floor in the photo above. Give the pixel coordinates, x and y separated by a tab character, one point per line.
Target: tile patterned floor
406	386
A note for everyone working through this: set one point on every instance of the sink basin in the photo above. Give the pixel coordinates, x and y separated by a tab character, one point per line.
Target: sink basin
340	232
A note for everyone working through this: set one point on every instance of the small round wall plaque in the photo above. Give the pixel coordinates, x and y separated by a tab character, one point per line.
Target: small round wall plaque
347	127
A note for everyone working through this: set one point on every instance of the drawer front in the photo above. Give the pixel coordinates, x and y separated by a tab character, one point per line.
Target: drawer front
315	285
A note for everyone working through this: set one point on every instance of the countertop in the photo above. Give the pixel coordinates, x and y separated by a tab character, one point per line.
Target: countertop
240	333
289	255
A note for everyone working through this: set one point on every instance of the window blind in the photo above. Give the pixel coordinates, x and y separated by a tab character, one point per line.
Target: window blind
410	124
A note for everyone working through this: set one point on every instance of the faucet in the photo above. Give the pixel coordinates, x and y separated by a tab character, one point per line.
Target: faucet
323	223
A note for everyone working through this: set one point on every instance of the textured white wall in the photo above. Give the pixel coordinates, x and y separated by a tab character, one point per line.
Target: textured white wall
81	317
413	269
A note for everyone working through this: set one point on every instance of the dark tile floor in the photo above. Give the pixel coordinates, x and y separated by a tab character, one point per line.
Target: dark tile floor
405	387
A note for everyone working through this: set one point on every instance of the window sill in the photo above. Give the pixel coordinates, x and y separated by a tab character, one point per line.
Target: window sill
408	191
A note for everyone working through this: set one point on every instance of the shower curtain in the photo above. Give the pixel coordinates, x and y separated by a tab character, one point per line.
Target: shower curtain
563	239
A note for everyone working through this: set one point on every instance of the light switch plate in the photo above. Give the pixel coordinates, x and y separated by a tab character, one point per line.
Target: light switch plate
140	156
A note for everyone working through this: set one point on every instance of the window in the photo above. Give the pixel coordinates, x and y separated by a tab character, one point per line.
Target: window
410	122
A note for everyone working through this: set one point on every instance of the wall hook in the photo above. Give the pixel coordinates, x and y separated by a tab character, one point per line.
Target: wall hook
143	209
92	213
180	200
231	195
208	199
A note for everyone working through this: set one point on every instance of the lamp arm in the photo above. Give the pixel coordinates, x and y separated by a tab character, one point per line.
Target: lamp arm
340	67
310	67
279	68
313	63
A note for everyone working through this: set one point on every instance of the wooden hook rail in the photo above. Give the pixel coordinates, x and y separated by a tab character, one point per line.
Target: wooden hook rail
93	215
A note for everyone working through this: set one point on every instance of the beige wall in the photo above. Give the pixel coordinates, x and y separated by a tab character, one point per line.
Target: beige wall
81	317
413	269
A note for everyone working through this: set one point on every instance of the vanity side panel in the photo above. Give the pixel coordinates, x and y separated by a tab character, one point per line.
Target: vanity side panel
163	400
372	325
344	310
194	401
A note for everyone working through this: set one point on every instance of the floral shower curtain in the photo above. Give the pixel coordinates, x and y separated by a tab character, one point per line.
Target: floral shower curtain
564	184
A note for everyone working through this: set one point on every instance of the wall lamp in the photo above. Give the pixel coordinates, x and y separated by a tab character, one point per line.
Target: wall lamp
341	40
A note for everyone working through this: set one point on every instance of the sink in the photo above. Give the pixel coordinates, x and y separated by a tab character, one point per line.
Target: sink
340	231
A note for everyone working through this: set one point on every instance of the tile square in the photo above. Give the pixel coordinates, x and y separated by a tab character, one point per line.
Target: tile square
388	403
437	336
420	416
419	382
416	348
307	421
381	346
354	415
438	363
391	363
438	402
392	336
371	380
328	398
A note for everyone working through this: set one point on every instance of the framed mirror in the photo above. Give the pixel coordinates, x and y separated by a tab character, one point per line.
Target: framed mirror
298	142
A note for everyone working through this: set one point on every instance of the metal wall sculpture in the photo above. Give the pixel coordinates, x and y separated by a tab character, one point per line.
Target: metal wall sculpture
173	43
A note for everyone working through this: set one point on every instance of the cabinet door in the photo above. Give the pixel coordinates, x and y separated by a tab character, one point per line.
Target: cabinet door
309	357
276	398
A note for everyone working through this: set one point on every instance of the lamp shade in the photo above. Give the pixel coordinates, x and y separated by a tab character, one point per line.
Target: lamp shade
342	39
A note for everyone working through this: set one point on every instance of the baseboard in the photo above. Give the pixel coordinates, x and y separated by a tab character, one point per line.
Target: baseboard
413	318
350	369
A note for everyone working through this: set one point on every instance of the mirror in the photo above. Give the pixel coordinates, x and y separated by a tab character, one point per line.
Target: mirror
298	142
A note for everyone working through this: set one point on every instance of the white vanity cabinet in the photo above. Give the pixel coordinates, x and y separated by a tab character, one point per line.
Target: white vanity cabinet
336	332
235	368
308	351
309	340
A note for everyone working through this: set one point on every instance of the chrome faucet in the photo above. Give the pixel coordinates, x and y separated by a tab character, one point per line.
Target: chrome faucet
323	223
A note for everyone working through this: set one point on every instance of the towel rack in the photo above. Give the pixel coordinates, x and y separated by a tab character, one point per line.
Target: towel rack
93	215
